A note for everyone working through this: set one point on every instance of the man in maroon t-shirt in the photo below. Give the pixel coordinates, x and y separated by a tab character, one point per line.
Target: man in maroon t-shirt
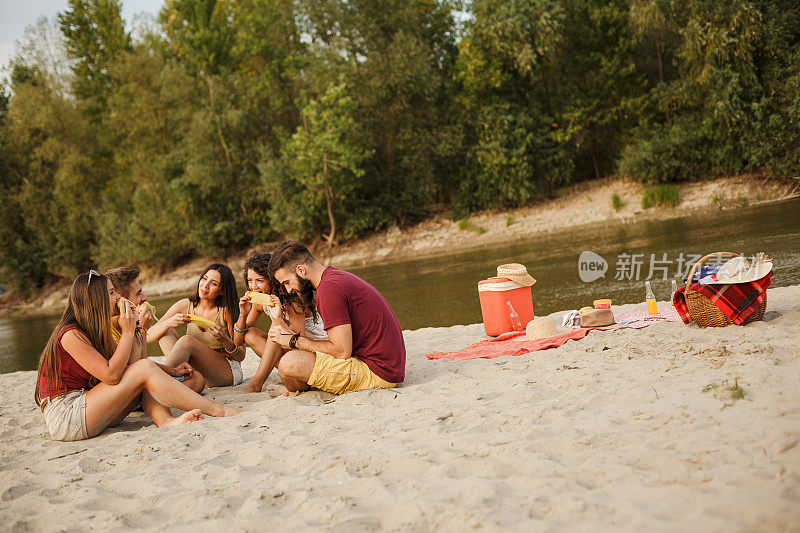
364	348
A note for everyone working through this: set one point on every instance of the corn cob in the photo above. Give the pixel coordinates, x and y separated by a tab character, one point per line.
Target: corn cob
259	298
200	321
122	301
151	307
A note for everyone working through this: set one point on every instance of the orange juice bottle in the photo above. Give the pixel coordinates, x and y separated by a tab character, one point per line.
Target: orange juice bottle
650	299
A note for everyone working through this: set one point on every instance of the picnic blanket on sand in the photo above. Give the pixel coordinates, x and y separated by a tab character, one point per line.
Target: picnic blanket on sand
505	345
642	320
738	300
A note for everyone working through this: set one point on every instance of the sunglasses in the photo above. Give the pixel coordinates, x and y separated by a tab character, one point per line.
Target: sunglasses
92	273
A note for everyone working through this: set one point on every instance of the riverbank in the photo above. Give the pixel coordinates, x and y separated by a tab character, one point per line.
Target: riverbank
668	428
575	207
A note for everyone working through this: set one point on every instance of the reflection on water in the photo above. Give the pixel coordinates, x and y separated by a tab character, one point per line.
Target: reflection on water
442	291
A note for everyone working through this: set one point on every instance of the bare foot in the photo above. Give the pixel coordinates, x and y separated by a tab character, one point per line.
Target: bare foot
254	386
229	410
287	393
189	416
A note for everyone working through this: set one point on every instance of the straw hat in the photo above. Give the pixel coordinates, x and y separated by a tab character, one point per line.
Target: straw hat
517	273
740	270
540	328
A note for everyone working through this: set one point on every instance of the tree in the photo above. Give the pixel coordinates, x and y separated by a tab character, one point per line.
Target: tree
656	24
320	164
518	145
146	214
94	36
397	57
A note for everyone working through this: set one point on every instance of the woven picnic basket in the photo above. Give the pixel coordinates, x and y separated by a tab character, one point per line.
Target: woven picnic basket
703	311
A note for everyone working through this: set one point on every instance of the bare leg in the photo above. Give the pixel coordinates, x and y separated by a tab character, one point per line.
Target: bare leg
272	355
162	416
197	382
105	402
133	404
295	368
256	339
167	341
213	365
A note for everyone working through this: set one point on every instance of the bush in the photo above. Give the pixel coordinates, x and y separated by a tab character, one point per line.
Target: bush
616	202
665	154
464	224
666	195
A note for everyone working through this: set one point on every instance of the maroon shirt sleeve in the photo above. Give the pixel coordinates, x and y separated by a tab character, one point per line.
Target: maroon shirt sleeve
332	305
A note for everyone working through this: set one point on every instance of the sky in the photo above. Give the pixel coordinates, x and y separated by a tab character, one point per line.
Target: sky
16	14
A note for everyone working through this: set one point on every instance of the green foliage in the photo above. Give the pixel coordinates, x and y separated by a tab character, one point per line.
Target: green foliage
665	195
94	37
666	154
509	220
516	150
465	224
219	126
148	207
312	184
397	57
616	202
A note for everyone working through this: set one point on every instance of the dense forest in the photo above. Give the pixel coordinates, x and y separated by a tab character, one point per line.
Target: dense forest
225	123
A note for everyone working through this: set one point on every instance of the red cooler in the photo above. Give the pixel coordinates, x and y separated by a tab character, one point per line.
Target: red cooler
495	294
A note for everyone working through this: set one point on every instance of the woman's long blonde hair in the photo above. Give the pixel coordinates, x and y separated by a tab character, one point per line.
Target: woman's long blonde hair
89	309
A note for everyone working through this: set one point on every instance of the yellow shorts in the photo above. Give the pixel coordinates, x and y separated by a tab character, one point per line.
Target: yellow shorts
338	376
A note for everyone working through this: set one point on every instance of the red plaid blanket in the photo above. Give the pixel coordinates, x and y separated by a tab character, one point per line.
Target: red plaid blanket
738	301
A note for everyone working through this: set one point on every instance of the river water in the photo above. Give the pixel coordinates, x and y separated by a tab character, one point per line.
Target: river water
441	291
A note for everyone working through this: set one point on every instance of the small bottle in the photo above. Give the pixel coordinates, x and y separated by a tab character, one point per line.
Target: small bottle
674	288
516	323
650	298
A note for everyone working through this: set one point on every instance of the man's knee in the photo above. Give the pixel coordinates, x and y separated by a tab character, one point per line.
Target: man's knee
295	364
289	365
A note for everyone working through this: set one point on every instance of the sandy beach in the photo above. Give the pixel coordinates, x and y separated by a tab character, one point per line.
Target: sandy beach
610	433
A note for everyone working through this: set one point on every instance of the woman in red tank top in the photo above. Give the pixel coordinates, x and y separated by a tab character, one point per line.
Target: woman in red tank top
85	382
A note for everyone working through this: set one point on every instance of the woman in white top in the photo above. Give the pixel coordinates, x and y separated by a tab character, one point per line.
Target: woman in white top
297	313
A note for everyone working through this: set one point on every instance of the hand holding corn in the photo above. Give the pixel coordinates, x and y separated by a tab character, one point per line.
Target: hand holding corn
259	298
200	321
127	315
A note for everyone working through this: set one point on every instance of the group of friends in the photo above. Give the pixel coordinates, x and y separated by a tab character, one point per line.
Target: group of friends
329	330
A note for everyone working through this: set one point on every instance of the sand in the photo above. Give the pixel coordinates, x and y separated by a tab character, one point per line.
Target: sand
610	433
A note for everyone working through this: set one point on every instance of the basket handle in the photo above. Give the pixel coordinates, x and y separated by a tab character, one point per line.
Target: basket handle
703	260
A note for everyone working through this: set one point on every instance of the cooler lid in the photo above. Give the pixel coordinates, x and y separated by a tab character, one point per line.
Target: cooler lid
493	280
498	285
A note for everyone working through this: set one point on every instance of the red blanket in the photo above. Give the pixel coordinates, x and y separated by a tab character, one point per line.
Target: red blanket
738	301
491	348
